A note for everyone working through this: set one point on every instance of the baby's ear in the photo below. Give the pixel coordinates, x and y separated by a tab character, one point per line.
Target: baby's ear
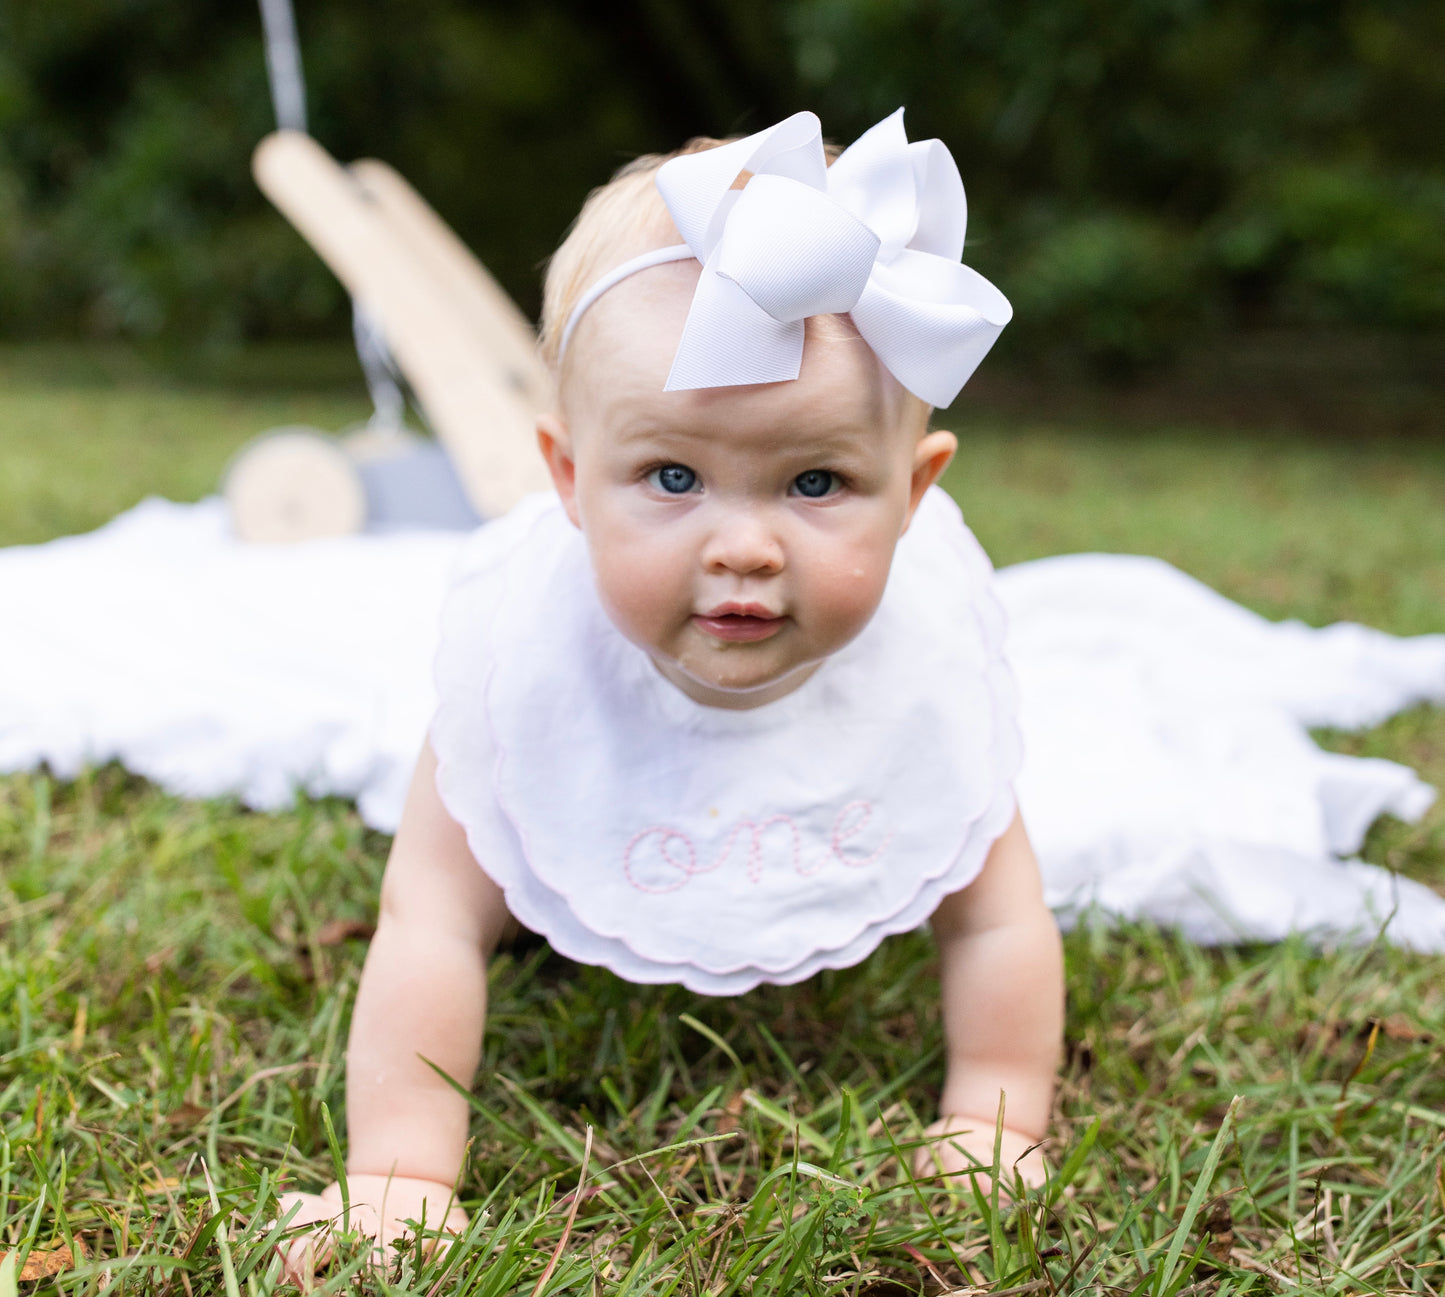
929	460
555	442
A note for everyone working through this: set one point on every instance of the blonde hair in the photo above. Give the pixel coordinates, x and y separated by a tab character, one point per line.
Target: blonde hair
620	220
623	219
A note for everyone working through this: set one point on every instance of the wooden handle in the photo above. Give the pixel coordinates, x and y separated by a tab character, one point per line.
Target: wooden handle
486	421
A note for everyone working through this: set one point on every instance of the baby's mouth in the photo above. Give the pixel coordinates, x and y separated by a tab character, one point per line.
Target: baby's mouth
739	623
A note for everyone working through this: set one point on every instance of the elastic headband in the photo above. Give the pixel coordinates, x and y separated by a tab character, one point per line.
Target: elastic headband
657	257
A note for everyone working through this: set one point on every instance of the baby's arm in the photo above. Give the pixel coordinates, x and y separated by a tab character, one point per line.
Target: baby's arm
1002	983
422	996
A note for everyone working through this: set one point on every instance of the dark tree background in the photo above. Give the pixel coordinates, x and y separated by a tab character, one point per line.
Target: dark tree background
1140	172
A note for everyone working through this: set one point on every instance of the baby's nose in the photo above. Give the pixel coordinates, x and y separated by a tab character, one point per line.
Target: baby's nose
742	542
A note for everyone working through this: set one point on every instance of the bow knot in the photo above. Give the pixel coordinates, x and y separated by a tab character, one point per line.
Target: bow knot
794	250
878	234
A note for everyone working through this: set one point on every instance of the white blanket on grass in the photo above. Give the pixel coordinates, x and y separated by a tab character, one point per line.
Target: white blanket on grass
1169	773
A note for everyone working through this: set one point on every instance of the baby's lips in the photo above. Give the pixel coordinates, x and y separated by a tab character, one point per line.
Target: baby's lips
741	608
739	628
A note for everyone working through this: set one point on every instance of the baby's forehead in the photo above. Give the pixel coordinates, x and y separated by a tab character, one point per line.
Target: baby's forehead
623	349
642	315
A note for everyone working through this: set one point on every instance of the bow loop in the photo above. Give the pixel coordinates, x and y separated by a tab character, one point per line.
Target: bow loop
931	322
873	178
942	207
693	186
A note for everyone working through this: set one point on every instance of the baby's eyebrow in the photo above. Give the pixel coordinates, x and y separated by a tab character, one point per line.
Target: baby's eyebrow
841	448
850	441
840	439
651	434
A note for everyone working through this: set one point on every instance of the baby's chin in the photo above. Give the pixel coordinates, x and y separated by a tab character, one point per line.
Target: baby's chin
729	681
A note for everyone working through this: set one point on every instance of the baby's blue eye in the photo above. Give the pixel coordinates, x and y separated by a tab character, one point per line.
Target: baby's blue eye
815	483
675	479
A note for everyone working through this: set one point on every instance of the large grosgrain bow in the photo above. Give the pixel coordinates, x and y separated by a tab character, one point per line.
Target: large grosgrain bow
878	234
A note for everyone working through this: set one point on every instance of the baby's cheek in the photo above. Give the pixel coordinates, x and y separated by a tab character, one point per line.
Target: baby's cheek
636	588
849	589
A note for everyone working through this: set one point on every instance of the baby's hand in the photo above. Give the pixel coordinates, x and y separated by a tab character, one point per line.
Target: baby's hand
380	1207
958	1143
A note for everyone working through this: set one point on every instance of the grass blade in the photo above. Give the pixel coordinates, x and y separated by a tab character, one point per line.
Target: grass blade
1164	1277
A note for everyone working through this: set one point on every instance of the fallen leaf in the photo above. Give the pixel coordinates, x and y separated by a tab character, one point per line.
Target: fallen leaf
42	1263
591	1191
1398	1027
1218	1226
339	930
943	1285
732	1110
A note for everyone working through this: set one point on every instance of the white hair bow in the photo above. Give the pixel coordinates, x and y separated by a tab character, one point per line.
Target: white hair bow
878	234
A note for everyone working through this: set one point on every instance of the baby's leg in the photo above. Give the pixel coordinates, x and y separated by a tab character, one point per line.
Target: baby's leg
1002	985
422	1002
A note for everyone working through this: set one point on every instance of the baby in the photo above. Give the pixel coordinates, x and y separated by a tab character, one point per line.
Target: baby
731	706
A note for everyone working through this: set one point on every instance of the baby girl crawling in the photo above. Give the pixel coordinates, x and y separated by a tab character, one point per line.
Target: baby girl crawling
731	706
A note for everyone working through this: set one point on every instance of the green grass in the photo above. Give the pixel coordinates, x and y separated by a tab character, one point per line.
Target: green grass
85	434
1320	530
175	980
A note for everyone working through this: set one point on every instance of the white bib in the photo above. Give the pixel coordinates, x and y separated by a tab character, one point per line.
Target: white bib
671	841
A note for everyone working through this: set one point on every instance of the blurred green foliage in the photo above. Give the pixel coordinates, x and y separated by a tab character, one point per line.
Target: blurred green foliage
1140	171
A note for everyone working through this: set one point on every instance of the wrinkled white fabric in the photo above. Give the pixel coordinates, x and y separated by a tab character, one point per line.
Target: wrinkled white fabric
1168	771
722	848
217	668
1193	712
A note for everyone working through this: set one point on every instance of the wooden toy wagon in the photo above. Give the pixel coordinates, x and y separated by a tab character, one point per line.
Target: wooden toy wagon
430	313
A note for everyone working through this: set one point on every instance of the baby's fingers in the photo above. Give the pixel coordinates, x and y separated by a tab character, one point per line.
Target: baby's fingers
300	1252
961	1149
319	1217
311	1219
